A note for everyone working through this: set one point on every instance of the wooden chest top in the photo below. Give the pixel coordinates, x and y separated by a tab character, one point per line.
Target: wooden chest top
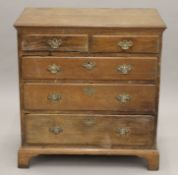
63	17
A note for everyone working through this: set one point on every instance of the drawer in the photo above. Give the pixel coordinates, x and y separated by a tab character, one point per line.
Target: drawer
95	130
126	43
46	42
93	68
70	96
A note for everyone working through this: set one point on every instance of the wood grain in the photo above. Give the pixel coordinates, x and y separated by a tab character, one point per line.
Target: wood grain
91	130
141	44
83	17
26	153
105	68
89	35
102	97
77	43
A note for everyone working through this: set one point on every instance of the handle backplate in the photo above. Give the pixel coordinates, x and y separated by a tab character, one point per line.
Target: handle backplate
122	131
53	68
54	97
54	43
123	98
124	68
89	90
125	44
89	65
55	130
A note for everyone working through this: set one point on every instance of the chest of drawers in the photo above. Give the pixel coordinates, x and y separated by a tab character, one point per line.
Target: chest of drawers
89	82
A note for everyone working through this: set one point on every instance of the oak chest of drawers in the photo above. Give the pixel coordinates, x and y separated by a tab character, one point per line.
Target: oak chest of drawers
89	82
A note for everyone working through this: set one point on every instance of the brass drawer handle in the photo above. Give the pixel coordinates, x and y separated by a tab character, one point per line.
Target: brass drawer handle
89	65
54	68
54	43
124	68
54	97
123	98
89	122
122	131
55	130
125	44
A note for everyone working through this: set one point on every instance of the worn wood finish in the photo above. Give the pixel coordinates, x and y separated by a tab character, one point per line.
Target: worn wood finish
90	97
26	153
76	43
91	130
75	68
83	17
110	43
89	35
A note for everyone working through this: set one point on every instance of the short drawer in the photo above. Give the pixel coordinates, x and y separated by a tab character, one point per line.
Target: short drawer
95	130
70	96
46	42
92	68
125	43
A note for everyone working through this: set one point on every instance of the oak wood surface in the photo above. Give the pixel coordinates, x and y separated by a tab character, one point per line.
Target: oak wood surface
110	43
69	42
104	68
89	130
25	31
83	17
75	96
82	31
26	153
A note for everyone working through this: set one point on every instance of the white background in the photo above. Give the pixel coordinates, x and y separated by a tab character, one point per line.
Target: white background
9	101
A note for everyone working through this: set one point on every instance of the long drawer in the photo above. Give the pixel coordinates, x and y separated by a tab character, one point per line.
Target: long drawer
97	130
78	96
92	68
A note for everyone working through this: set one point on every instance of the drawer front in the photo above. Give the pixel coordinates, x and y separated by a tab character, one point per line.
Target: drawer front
104	68
128	43
89	130
71	96
55	43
